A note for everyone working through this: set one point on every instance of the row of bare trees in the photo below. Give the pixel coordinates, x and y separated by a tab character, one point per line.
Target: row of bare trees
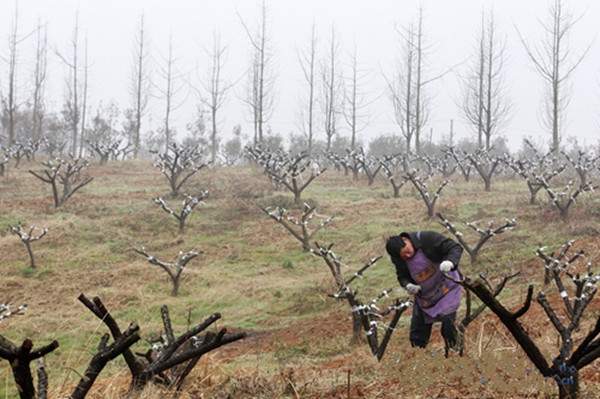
536	169
67	176
484	103
11	95
575	170
171	357
75	59
292	172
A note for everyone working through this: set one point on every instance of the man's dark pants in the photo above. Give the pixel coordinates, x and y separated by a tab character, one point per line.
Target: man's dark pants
421	331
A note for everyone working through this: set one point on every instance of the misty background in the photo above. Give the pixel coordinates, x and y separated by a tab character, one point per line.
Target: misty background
450	29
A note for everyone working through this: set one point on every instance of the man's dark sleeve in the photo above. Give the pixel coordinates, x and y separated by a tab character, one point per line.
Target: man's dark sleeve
445	248
401	272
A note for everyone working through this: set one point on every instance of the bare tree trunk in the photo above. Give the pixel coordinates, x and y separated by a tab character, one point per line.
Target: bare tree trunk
480	79
307	63
30	253
408	113
216	90
19	358
85	98
72	88
139	85
357	336
175	281
332	112
254	99
484	103
490	85
402	87
354	102
331	90
39	80
11	102
571	390
213	135
173	84
168	95
419	83
261	72
75	105
352	118
259	97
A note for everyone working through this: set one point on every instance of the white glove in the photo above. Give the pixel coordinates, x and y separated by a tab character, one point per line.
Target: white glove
413	288
446	266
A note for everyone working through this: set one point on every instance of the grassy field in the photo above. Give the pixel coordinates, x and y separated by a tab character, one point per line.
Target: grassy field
261	281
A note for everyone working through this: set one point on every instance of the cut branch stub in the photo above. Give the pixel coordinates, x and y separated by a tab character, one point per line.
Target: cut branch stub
544	166
178	164
370	166
303	227
485	234
463	164
110	149
486	165
20	358
366	317
65	176
294	173
397	182
563	200
188	205
173	269
27	237
7	312
429	198
105	353
172	357
472	313
583	164
565	366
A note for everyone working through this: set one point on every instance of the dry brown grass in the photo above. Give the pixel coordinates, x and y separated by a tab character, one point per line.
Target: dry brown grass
298	343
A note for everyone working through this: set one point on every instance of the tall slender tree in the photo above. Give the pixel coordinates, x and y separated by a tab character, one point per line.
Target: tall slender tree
139	88
485	104
332	86
39	80
72	113
9	103
553	61
171	88
260	96
407	87
355	101
307	60
215	90
401	86
420	111
84	94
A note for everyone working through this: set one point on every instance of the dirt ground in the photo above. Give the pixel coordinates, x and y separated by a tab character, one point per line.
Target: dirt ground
258	277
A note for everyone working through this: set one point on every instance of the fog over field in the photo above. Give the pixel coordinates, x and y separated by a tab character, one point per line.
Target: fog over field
310	199
450	30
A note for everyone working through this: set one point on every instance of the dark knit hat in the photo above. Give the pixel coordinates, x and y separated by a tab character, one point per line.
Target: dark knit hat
393	246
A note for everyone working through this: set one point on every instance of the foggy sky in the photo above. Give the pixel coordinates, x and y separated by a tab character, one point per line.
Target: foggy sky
450	26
